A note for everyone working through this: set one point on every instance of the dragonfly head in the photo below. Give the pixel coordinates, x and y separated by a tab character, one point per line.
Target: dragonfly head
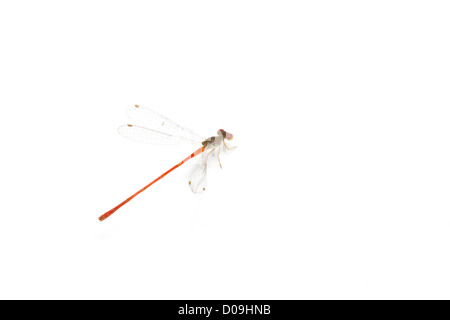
225	135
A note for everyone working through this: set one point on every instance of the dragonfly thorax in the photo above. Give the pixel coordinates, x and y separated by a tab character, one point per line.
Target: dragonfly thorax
213	141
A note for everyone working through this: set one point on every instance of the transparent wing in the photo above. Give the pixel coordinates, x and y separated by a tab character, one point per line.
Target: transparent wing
197	176
146	135
154	122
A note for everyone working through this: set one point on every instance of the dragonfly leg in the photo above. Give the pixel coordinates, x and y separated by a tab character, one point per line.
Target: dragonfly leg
209	154
218	158
227	146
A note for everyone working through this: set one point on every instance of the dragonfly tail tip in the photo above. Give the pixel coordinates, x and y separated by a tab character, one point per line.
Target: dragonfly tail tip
106	215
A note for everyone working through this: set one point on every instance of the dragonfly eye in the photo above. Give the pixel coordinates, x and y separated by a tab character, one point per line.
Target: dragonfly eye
225	135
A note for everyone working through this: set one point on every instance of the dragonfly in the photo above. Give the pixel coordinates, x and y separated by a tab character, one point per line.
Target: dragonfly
151	127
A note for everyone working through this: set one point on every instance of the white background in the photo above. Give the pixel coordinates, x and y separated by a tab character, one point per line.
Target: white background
339	187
